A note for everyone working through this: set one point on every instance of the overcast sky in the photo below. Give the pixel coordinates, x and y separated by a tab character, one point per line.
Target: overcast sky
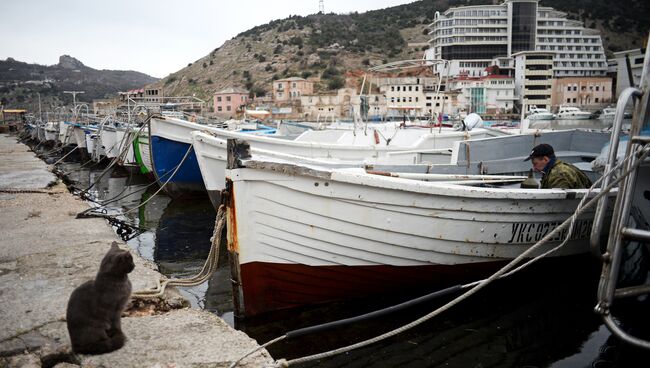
154	37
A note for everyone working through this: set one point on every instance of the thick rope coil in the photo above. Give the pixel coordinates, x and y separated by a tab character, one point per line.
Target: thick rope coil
206	272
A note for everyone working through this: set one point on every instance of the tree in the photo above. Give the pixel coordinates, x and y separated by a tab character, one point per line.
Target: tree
336	83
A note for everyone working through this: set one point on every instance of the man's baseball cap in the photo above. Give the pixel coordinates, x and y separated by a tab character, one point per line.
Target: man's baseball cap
541	150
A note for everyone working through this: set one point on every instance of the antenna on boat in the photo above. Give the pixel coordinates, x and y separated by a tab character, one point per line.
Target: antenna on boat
321	6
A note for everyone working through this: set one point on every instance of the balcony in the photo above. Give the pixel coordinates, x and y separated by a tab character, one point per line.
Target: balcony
537	92
548	72
538	82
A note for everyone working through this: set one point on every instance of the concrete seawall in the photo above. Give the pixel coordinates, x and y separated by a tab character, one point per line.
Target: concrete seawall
45	252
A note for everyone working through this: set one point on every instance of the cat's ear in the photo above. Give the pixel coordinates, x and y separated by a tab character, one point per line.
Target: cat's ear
114	246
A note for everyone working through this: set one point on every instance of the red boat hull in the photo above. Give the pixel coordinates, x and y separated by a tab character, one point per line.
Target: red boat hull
272	286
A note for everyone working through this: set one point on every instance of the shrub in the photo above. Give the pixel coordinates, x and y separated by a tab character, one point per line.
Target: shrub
336	83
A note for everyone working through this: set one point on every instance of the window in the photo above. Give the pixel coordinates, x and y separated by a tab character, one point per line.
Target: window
597	89
398	88
410	88
392	88
228	98
568	88
219	108
596	100
219	99
228	107
293	85
574	100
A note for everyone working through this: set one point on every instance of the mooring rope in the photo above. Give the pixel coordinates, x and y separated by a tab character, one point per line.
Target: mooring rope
187	154
64	157
474	287
206	272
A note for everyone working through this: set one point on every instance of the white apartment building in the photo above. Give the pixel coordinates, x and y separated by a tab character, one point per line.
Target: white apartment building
534	78
471	37
492	94
346	103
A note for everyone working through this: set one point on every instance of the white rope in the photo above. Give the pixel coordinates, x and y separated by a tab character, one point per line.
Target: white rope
253	351
507	270
209	267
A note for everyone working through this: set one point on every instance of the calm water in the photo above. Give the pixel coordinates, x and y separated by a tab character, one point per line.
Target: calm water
541	318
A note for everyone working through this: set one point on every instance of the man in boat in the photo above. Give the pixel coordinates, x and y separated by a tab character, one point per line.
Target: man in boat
556	173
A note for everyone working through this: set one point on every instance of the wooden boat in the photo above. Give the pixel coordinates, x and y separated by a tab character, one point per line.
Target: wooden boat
340	147
301	234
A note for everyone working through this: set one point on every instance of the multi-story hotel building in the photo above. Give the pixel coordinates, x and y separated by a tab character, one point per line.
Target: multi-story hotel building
473	36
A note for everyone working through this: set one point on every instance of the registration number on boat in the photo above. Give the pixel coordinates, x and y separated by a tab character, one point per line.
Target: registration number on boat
527	232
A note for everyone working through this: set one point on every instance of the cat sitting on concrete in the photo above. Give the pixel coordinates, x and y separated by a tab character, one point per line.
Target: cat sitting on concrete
95	308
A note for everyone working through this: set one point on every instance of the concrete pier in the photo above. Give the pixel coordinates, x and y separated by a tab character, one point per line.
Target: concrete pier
45	252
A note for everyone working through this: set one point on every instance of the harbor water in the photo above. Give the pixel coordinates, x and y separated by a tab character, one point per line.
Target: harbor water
542	317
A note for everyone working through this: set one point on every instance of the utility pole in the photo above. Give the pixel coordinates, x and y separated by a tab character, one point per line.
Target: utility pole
74	97
40	110
321	6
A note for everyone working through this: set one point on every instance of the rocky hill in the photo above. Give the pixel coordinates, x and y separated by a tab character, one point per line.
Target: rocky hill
324	47
20	82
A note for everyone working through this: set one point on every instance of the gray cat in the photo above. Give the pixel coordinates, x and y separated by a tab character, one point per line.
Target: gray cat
95	308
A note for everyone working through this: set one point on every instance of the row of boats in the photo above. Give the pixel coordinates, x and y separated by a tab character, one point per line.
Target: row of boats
317	215
572	113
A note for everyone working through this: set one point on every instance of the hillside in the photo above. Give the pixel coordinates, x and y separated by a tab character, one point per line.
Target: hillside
325	46
20	82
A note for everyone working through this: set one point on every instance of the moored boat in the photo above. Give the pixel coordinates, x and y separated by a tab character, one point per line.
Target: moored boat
538	113
572	113
300	234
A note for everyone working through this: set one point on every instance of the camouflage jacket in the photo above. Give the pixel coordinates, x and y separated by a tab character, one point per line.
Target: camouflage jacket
565	176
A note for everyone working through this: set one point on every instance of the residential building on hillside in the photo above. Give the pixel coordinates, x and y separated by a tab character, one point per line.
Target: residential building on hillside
230	101
491	94
472	37
588	92
290	89
153	95
346	103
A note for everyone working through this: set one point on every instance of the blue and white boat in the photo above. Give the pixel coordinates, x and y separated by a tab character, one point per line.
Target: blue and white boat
171	146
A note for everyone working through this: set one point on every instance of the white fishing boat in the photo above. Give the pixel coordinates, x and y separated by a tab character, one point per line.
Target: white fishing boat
51	132
79	136
300	234
572	113
339	145
538	113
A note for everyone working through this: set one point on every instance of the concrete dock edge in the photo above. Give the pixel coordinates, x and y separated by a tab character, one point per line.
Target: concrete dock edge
45	252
